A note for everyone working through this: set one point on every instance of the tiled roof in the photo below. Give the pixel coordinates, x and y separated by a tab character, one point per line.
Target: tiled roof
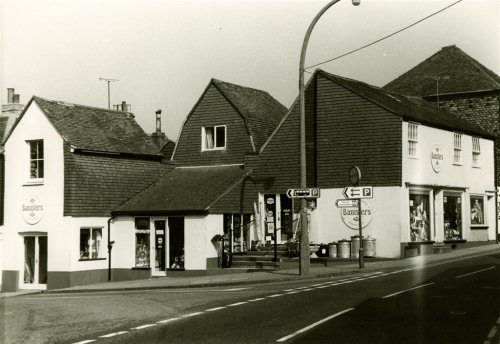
185	189
3	126
261	111
457	73
95	129
409	108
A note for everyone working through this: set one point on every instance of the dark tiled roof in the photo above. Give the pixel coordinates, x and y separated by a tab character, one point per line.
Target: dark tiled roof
409	108
96	183
185	189
457	72
261	111
95	129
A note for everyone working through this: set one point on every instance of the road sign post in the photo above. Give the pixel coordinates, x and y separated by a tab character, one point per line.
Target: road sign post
358	192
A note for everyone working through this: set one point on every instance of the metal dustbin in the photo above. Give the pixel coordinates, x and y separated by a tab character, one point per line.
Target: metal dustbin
344	248
355	242
332	250
323	250
369	246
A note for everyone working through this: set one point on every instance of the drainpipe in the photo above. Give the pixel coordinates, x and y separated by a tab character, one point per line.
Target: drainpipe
110	246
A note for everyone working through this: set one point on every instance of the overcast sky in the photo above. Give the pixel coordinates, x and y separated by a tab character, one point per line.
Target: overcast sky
164	52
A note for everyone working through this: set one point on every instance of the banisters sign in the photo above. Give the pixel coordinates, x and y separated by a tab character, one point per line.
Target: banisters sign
32	210
436	158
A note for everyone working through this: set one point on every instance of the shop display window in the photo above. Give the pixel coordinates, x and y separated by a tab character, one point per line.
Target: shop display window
236	232
176	242
419	217
476	210
452	211
142	233
91	243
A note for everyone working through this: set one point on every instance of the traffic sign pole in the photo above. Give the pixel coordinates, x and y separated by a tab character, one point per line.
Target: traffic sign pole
361	254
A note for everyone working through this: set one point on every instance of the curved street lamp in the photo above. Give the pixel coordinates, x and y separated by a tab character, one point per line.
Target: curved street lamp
305	262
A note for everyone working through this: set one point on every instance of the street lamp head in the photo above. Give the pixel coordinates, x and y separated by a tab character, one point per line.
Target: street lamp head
356	2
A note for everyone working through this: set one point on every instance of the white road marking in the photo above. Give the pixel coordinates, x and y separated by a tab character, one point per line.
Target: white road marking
237	304
113	334
191	314
275	295
167	320
142	326
293	292
314	325
492	333
214	309
475	272
257	299
404	291
85	341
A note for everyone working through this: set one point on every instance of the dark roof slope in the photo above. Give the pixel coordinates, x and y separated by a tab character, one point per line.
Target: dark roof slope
3	127
185	189
261	111
457	73
409	108
95	129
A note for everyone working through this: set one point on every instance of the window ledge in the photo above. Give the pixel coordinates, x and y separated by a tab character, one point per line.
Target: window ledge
472	227
458	164
141	268
476	166
90	259
34	182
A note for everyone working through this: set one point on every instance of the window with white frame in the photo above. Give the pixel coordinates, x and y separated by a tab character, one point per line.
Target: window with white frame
36	159
91	243
213	138
476	151
457	148
412	139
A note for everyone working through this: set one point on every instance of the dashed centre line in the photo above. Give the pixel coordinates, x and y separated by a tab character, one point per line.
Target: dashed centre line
113	334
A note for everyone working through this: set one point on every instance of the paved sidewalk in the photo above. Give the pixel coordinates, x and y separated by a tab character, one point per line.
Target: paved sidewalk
334	269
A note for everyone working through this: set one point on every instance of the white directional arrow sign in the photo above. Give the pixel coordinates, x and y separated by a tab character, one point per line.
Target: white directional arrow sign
346	203
303	193
358	192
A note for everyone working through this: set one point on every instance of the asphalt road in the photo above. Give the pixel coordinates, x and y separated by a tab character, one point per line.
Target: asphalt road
450	303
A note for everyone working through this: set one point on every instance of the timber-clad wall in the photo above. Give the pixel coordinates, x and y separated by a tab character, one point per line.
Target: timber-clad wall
354	131
213	109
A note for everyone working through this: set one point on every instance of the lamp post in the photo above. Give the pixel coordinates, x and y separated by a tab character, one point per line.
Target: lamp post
305	263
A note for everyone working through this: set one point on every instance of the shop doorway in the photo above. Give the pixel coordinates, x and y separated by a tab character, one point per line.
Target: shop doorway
160	247
35	262
286	205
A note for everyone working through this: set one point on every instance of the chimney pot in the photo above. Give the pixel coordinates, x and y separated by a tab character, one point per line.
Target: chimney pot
15	100
158	122
10	95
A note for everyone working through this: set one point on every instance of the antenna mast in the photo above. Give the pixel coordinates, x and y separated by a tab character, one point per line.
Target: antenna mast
108	80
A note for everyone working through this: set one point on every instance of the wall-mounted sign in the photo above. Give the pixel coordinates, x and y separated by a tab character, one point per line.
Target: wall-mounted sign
32	210
350	215
436	158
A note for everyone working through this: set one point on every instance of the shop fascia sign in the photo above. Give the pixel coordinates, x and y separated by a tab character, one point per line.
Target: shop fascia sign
32	210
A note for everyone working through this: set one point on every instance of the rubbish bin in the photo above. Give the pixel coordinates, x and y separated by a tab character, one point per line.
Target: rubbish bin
332	250
344	248
369	246
323	251
355	242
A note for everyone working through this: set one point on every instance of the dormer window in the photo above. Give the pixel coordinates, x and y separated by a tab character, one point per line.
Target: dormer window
213	138
36	159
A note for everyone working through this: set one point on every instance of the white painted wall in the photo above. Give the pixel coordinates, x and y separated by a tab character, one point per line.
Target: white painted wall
34	126
327	224
214	226
195	238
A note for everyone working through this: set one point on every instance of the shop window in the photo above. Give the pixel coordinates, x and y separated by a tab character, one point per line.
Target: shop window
36	159
412	139
452	211
457	148
236	232
142	233
419	217
476	151
91	243
476	210
213	138
176	242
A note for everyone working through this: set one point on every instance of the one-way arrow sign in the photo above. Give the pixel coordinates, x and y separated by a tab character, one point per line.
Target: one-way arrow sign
358	192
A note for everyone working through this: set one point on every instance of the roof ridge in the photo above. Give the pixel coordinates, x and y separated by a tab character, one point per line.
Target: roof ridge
65	103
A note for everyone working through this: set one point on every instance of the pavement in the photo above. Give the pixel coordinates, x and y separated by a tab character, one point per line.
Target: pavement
267	276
